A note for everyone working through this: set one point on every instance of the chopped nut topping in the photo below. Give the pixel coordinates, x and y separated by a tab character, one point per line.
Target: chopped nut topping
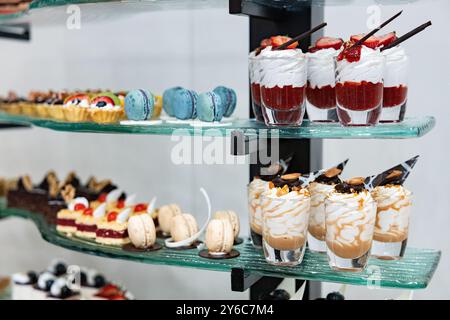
291	176
283	191
333	172
356	181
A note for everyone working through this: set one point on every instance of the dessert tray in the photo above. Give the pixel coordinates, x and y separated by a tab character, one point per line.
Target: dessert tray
414	271
411	127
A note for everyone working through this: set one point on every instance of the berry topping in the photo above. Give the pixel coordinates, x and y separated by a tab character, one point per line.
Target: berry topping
48	284
118	297
32	276
279	40
99	281
387	39
328	42
65	292
108	291
88	212
60	269
121	204
372	42
112	216
79	207
351	54
140	207
265	43
102	197
101	102
77	99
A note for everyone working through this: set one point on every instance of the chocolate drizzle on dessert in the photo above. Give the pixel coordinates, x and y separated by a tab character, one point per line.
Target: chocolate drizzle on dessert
290	180
354	185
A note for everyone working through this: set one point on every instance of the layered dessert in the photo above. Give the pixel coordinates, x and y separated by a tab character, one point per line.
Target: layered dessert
285	211
86	223
255	80
321	91
283	75
255	189
359	84
350	213
392	223
113	228
319	191
66	218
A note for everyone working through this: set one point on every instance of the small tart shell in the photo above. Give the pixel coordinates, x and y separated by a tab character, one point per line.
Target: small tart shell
106	116
56	112
42	110
157	108
76	114
29	109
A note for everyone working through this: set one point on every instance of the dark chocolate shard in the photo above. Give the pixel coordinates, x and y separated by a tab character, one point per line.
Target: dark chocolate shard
331	176
396	175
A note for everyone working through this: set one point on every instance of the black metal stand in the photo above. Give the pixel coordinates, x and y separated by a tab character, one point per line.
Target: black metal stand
265	22
18	31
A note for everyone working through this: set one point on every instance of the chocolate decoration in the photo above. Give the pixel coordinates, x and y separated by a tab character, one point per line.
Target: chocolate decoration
129	247
205	254
346	187
73	180
390	176
331	176
238	241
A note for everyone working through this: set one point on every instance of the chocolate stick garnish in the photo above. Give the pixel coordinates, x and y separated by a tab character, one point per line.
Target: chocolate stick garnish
407	36
371	33
301	36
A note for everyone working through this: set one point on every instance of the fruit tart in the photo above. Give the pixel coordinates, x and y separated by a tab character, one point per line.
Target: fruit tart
76	108
106	108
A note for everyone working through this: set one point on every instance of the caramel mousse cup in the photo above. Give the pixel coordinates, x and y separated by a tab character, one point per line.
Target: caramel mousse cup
350	221
254	191
285	224
394	204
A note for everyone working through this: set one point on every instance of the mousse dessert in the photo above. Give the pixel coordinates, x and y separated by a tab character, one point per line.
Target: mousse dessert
283	75
255	79
285	211
113	228
350	213
359	83
319	189
320	92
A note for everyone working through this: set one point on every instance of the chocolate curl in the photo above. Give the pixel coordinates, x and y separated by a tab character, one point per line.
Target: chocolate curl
395	175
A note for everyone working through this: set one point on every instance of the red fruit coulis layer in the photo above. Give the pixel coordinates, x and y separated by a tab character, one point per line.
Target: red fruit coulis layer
394	96
323	98
284	99
107	233
66	222
86	227
256	93
359	96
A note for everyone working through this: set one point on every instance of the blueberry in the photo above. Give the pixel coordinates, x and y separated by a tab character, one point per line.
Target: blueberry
335	296
65	292
48	284
99	281
83	278
101	104
32	276
60	269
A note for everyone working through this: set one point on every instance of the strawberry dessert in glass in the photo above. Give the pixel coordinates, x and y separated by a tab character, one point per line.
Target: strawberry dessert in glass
359	83
395	81
320	92
255	90
283	83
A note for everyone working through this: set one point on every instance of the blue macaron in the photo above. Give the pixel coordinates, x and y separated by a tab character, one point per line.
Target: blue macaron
228	98
210	107
168	100
139	104
184	104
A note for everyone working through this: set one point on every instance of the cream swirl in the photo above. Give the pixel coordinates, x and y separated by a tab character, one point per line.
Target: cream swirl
396	70
253	68
283	68
319	193
393	211
370	67
255	189
321	71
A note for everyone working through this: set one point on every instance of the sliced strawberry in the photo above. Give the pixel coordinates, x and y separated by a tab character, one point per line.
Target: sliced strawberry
118	297
79	207
88	212
351	55
387	39
279	40
265	43
109	290
328	42
372	42
140	207
102	197
112	216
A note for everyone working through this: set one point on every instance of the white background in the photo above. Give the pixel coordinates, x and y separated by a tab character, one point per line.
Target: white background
201	49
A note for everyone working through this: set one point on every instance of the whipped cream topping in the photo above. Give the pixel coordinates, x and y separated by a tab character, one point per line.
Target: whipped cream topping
21	278
369	68
43	278
321	71
74	103
396	70
319	193
255	189
253	67
283	68
79	200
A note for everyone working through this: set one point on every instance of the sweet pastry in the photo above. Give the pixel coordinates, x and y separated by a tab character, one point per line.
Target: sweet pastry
139	105
66	218
86	223
350	213
23	284
183	104
113	228
228	99
167	101
165	215
219	237
232	217
142	231
76	108
210	107
182	227
105	108
55	105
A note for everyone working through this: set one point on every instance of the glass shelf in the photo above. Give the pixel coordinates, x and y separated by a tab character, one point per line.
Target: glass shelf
414	271
412	127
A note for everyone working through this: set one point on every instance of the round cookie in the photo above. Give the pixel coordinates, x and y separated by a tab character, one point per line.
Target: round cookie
167	100
139	105
209	107
219	236
231	216
165	215
142	231
183	227
184	104
228	99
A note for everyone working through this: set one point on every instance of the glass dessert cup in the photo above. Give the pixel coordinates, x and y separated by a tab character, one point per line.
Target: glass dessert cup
359	103
349	233
255	88
394	104
283	89
392	222
285	224
254	191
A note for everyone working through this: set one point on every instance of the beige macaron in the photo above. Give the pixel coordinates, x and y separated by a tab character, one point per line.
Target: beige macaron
165	215
183	227
141	231
231	216
219	236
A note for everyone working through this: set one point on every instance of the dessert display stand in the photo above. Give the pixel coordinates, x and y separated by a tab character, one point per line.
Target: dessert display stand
250	270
